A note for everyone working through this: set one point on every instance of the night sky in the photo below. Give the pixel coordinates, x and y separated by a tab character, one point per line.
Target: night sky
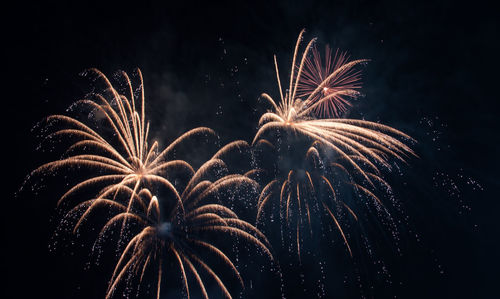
433	74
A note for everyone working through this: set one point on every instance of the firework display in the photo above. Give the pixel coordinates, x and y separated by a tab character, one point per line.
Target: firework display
131	171
306	158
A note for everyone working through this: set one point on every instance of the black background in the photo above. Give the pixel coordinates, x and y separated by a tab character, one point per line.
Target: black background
433	74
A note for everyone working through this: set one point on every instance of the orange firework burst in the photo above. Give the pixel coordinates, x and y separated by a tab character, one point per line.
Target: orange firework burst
122	159
357	147
182	234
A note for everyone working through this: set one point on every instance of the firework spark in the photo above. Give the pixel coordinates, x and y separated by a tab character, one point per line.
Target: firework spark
357	147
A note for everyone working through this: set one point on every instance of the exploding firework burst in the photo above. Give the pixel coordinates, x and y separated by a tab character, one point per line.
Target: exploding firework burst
120	159
334	76
354	150
182	233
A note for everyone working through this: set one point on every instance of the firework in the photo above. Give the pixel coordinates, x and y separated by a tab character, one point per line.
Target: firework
334	77
118	160
353	149
183	233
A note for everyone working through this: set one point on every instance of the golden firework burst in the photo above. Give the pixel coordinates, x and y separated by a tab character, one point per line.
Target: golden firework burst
184	236
121	159
358	147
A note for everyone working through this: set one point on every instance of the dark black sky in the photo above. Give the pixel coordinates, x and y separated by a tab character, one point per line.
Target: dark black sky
433	74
